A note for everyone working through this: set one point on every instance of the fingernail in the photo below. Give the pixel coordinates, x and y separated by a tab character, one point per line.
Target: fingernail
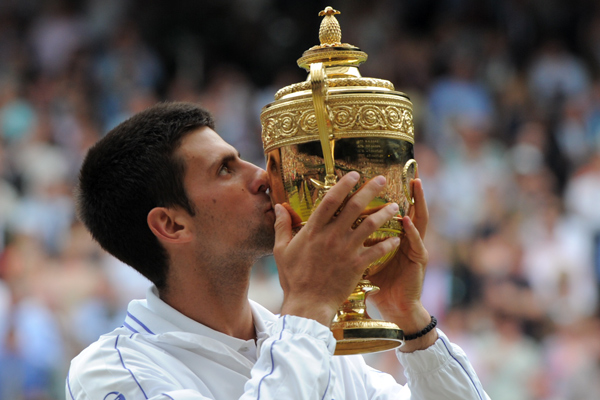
355	176
380	180
395	241
394	207
277	210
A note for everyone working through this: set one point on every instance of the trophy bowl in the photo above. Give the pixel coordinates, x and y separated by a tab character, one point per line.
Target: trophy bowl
318	130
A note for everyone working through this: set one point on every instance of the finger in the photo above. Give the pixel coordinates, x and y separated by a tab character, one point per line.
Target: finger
355	206
377	251
414	240
372	210
420	215
283	228
296	220
374	221
334	199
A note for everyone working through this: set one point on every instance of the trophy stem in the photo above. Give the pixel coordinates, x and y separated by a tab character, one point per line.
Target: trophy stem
355	307
356	332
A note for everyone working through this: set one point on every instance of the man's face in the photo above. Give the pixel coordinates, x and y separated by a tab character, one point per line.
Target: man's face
234	217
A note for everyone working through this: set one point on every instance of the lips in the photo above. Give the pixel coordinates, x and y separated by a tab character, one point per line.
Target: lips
269	208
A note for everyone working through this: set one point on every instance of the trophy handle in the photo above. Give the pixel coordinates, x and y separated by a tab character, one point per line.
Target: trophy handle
406	180
319	92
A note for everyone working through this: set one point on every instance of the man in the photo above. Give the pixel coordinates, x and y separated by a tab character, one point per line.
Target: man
166	195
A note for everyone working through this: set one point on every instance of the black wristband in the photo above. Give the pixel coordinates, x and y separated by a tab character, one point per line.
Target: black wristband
424	332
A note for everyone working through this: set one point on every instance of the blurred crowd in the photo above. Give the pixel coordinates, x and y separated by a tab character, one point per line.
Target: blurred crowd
507	111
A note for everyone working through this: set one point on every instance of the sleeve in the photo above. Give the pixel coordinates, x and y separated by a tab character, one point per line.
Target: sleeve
294	362
441	372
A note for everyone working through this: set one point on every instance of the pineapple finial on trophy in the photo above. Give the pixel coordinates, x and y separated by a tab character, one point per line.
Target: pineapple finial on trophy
330	33
331	51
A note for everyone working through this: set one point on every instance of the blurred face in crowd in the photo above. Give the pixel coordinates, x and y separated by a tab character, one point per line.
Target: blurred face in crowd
234	217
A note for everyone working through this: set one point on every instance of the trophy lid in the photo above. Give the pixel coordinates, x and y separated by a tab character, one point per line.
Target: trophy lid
341	60
331	51
335	102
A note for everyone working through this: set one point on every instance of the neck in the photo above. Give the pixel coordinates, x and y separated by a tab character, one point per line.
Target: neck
220	304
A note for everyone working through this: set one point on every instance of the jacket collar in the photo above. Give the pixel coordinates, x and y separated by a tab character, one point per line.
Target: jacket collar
153	316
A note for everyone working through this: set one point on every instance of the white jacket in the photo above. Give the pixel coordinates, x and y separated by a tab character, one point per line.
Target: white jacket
159	353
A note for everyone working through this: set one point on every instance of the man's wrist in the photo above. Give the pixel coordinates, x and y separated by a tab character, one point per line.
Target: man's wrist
320	312
423	331
415	321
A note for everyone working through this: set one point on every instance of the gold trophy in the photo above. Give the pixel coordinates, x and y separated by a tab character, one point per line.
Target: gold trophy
318	130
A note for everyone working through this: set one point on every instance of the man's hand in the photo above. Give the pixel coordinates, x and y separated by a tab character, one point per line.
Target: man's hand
320	266
401	281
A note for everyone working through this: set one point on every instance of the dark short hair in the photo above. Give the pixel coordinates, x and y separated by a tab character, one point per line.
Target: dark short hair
132	170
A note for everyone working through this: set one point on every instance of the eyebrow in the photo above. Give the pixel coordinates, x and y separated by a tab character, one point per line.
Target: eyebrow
224	160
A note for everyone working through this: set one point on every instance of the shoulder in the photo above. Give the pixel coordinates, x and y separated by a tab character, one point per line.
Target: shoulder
116	362
102	348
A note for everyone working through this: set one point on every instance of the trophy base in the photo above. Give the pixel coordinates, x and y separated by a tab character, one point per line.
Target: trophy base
368	336
356	332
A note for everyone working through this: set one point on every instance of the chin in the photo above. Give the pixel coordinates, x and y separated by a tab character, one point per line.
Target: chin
260	240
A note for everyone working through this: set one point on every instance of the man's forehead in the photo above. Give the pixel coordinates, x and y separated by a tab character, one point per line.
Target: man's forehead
205	145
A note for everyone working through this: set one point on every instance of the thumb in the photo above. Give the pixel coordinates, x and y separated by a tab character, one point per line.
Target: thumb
283	226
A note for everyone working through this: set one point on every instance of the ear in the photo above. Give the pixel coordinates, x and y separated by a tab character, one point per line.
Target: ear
169	225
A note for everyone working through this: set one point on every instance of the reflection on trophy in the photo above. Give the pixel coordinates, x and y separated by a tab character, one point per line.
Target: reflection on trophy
318	130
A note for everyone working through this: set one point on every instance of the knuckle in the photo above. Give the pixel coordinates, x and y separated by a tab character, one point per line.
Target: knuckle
382	248
354	205
329	202
386	247
331	242
425	256
361	263
371	223
309	232
340	189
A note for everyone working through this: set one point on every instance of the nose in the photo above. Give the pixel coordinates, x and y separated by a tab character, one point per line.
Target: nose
260	180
